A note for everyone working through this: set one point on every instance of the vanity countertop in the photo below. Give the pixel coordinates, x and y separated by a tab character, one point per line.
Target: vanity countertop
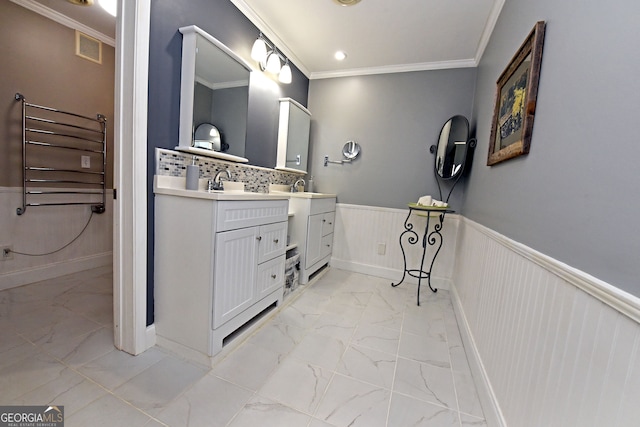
175	186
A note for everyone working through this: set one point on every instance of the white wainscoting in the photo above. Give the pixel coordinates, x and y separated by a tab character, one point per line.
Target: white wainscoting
360	229
44	229
549	345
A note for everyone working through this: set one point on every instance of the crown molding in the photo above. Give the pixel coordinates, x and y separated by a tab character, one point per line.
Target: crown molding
488	29
405	68
64	20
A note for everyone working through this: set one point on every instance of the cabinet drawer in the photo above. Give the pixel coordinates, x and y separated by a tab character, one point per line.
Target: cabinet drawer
327	223
234	214
327	246
322	205
272	240
270	276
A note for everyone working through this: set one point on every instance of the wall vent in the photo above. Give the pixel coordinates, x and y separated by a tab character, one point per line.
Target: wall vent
88	48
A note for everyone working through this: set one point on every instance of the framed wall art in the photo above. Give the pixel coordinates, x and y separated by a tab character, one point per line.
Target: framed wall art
515	102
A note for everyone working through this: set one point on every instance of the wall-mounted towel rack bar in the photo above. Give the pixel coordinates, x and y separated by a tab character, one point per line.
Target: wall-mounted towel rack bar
52	139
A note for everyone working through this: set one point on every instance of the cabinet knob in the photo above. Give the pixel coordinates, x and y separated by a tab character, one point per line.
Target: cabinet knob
275	240
324	220
273	276
330	223
259	238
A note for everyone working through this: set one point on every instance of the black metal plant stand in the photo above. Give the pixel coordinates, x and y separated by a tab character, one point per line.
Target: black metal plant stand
451	153
429	239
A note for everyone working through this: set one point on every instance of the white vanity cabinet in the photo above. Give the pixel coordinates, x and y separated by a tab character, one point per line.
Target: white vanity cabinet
312	229
218	263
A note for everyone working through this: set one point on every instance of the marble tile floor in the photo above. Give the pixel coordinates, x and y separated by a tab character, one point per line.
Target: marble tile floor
348	350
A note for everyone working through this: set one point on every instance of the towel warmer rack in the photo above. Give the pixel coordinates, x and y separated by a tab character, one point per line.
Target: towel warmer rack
51	140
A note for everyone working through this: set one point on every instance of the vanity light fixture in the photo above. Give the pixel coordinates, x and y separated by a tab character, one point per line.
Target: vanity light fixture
285	73
273	63
269	59
259	50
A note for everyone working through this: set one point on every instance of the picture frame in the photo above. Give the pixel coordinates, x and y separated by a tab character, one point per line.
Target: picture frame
515	101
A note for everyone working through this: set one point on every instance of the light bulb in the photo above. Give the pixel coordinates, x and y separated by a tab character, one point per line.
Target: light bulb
273	63
259	50
285	73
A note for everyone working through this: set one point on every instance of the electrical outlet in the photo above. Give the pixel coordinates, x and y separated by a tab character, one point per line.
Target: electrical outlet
7	253
85	162
382	248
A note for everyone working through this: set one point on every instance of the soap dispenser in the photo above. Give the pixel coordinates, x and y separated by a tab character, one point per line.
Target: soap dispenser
193	175
310	185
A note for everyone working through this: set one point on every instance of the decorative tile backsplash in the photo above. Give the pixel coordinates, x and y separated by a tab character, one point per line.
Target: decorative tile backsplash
256	179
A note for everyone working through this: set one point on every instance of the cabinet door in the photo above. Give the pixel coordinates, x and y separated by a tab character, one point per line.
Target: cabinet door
272	241
270	277
313	251
234	273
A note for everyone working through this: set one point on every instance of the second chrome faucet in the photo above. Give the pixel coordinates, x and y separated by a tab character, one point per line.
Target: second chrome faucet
294	187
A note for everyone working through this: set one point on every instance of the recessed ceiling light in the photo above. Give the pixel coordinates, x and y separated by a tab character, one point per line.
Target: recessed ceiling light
340	55
346	2
110	6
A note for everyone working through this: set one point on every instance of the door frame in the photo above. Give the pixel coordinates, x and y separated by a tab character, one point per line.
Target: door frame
131	333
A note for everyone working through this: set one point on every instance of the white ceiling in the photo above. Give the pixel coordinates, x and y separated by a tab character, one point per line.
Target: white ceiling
379	36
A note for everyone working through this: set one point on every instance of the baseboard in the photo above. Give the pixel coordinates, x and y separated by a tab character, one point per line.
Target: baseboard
386	273
57	269
488	400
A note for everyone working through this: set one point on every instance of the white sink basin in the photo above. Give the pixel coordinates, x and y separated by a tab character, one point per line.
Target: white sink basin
305	194
285	189
230	186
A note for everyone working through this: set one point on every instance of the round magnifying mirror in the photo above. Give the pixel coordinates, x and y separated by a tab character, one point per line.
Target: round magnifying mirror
350	150
451	151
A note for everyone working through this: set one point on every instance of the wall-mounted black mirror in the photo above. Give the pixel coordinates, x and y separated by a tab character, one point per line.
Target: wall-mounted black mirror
451	151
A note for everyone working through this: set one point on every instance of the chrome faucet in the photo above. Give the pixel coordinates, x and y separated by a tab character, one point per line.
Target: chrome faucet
294	187
217	181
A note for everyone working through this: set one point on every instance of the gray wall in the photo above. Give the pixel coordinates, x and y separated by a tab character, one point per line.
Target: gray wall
575	197
395	118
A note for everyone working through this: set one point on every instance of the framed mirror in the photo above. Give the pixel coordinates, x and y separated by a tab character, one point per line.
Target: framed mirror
214	90
451	150
293	136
